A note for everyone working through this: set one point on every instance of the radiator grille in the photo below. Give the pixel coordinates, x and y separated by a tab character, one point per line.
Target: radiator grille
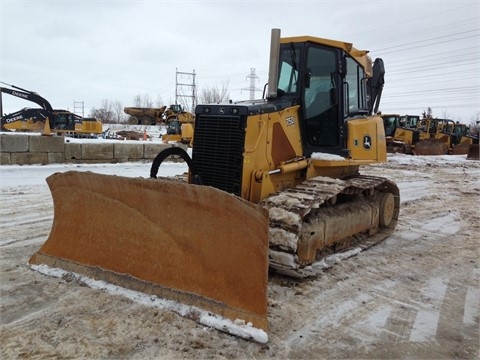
218	151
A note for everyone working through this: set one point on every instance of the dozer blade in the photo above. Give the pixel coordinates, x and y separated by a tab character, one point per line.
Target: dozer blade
473	152
431	147
193	244
461	149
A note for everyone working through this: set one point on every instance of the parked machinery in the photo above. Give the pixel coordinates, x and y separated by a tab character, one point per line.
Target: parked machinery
34	119
155	116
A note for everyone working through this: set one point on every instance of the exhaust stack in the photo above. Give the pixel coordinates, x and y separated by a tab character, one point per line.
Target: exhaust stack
273	67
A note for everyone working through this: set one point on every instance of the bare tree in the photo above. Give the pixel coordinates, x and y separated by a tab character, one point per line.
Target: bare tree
214	94
118	112
184	102
105	113
159	102
474	126
446	114
143	100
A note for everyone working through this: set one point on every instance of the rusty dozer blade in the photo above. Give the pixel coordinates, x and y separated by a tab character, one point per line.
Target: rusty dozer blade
431	147
473	152
195	245
461	149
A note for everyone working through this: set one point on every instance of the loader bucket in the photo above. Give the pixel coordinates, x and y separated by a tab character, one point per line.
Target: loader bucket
473	152
193	244
431	147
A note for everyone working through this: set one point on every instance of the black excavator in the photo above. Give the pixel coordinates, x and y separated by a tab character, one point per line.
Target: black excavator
34	119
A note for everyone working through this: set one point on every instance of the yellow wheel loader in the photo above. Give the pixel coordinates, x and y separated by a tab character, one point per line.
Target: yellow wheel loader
272	183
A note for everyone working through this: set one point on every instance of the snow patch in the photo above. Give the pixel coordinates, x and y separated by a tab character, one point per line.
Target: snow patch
287	217
325	156
287	264
238	327
290	200
283	238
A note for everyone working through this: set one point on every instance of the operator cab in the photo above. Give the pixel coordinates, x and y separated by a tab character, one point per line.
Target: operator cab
331	87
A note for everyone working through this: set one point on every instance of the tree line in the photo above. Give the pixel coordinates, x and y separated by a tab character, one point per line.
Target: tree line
111	111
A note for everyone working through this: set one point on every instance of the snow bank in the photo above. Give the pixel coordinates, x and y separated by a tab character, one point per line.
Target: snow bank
238	327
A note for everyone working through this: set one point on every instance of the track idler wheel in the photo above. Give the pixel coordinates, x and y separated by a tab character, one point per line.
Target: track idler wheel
386	206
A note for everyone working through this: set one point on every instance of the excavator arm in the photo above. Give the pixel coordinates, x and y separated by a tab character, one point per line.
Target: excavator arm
26	95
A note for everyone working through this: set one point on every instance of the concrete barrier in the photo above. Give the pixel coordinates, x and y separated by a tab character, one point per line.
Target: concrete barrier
35	149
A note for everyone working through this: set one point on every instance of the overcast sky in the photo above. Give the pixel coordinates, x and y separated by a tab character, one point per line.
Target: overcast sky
95	50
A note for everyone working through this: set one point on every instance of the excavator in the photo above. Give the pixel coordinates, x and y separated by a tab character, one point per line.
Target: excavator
273	184
35	119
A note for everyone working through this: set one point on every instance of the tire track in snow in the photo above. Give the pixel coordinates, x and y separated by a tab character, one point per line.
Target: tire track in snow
26	216
424	328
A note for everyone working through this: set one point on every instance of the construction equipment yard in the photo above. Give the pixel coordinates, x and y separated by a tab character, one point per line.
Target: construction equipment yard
416	295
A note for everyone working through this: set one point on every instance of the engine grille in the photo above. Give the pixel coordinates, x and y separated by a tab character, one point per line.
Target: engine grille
218	150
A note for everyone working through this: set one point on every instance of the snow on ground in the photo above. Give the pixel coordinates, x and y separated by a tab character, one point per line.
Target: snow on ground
414	296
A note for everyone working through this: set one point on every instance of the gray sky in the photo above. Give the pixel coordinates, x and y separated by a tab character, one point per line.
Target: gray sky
94	50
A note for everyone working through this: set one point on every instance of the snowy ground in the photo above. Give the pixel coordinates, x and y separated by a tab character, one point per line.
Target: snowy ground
416	295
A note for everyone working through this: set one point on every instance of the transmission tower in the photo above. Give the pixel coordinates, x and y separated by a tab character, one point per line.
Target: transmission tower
252	76
184	88
79	108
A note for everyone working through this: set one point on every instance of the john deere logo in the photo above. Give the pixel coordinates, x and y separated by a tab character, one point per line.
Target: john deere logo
367	142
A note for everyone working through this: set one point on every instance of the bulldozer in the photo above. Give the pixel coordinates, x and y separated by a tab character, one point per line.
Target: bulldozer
401	133
444	136
273	186
179	132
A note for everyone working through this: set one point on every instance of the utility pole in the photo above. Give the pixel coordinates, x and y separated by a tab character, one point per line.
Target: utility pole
252	76
190	86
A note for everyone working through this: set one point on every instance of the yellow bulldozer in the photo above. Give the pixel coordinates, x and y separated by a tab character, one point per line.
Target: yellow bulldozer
272	183
444	136
401	132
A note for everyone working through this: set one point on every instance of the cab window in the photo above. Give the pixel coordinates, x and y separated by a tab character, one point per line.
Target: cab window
288	74
355	92
319	97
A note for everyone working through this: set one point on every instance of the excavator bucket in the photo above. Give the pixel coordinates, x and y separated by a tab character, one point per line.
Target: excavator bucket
192	244
473	152
431	147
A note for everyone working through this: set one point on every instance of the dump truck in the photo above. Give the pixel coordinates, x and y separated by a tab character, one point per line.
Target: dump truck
155	116
273	183
144	116
34	119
